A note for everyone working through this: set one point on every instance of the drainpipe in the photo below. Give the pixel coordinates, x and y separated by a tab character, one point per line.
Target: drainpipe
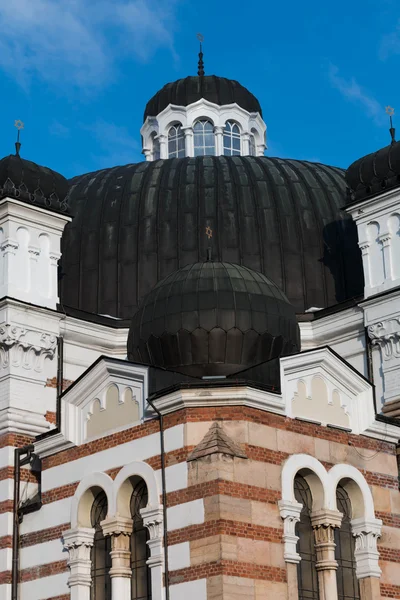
60	379
18	511
164	496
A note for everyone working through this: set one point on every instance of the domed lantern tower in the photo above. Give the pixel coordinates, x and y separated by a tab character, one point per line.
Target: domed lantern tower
200	116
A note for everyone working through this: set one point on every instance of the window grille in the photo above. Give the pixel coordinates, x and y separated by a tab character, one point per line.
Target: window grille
100	553
204	138
347	581
141	581
176	142
231	139
306	571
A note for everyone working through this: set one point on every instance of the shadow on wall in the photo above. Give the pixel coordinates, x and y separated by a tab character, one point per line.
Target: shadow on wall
342	257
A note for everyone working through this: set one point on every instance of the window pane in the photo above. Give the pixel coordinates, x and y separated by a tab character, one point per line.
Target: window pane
100	552
306	571
344	552
236	143
141	585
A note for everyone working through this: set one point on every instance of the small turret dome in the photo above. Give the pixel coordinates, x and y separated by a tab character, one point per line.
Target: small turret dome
28	182
213	318
219	90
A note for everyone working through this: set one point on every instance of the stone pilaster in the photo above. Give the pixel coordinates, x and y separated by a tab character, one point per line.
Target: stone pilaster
290	513
324	523
386	335
119	529
366	533
78	542
153	521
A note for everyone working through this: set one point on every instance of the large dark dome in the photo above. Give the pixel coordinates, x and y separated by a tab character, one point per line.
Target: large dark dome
136	224
28	182
213	318
215	89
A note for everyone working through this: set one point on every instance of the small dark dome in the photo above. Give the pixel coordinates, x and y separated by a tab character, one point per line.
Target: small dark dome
210	87
28	182
213	318
374	173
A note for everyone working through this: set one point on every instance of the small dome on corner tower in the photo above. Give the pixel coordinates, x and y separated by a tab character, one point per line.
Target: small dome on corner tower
213	318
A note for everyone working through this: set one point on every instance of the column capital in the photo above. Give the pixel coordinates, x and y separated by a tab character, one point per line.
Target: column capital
117	526
290	513
366	533
326	518
78	542
324	522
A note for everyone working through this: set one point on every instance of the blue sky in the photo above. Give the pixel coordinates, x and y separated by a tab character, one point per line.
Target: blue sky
79	72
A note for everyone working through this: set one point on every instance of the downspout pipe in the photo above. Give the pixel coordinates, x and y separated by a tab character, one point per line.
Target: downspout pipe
60	379
164	496
18	463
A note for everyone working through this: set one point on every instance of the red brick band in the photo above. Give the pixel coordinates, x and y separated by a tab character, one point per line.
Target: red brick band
390	591
225	527
228	567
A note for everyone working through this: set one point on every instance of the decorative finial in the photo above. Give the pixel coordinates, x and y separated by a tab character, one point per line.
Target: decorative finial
390	111
200	71
19	125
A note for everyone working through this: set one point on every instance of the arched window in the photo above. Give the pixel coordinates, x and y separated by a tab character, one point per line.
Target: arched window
347	581
252	145
100	554
156	148
204	138
231	139
306	571
141	582
176	142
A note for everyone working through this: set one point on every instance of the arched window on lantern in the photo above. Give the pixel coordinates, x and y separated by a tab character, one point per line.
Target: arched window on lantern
252	145
347	582
141	579
100	553
156	148
231	139
306	571
204	138
176	142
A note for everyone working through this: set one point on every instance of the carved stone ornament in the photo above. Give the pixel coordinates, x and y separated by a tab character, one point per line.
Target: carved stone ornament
78	542
366	533
386	334
26	348
290	513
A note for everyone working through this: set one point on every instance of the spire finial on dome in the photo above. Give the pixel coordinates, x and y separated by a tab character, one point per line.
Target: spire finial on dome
200	71
19	125
390	111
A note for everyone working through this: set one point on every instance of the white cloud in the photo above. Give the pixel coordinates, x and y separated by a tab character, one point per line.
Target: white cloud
351	90
78	42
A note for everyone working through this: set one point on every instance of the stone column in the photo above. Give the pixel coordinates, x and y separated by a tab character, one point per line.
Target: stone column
189	142
163	146
384	239
324	523
147	154
153	521
290	513
119	529
366	533
219	140
78	542
245	143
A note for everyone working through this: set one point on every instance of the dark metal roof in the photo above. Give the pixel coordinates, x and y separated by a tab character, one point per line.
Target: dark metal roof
33	184
213	318
136	224
374	173
219	90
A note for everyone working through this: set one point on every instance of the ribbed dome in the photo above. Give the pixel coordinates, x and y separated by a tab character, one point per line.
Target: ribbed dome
215	89
213	318
32	183
374	173
136	224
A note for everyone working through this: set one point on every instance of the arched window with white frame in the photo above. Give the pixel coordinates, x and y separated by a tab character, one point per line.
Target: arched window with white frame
204	138
176	142
348	588
156	148
252	145
231	139
100	553
140	552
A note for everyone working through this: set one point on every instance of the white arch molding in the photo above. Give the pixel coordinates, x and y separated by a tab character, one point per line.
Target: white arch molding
84	495
366	528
